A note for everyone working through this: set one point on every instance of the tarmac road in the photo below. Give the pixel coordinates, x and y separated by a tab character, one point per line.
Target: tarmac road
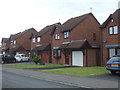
11	80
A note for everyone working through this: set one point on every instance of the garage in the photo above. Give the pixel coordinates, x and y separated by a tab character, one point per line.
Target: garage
77	58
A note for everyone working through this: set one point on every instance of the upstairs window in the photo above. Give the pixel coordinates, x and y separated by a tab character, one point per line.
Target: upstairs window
4	44
113	30
57	36
33	40
66	34
14	42
11	43
38	39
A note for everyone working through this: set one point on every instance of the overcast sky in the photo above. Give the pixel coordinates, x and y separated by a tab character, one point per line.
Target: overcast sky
19	15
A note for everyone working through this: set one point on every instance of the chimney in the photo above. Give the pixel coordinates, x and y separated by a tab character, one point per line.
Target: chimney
119	5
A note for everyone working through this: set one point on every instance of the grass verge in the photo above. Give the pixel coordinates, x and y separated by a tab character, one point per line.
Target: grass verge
80	71
27	66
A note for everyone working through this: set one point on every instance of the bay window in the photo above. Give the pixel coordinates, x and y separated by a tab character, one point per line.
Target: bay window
57	53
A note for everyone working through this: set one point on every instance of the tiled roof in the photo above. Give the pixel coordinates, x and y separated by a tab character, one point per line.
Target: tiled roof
115	16
17	48
73	22
6	48
5	39
46	29
43	47
15	36
80	44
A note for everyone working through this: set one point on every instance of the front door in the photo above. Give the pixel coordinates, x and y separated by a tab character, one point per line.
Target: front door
67	56
45	56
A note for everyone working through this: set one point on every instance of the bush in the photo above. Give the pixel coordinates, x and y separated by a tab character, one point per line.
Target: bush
37	59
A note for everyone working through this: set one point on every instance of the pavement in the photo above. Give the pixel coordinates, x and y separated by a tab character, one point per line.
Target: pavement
85	82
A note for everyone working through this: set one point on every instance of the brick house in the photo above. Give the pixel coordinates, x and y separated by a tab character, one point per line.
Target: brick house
110	36
41	43
77	42
21	42
5	45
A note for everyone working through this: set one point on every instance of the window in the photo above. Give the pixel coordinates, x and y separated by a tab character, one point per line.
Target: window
4	44
66	34
57	36
33	40
113	52
57	53
118	51
38	39
94	36
14	42
110	30
113	30
11	43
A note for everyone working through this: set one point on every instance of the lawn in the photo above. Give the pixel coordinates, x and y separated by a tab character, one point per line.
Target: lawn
80	71
27	66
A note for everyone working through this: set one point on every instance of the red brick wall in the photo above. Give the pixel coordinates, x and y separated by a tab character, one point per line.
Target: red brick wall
25	40
46	38
84	30
33	44
57	43
110	39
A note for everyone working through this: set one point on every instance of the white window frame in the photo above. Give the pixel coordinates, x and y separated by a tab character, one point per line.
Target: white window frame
118	51
38	39
4	44
57	36
111	52
14	42
33	40
110	30
11	43
66	34
113	30
57	53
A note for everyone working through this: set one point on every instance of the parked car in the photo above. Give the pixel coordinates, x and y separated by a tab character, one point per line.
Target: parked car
7	58
21	57
113	64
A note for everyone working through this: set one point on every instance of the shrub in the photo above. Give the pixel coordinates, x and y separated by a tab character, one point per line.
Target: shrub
36	59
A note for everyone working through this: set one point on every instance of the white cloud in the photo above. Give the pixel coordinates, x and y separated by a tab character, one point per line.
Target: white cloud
18	15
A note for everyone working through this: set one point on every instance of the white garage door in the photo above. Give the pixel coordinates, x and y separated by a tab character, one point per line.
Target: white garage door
77	58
